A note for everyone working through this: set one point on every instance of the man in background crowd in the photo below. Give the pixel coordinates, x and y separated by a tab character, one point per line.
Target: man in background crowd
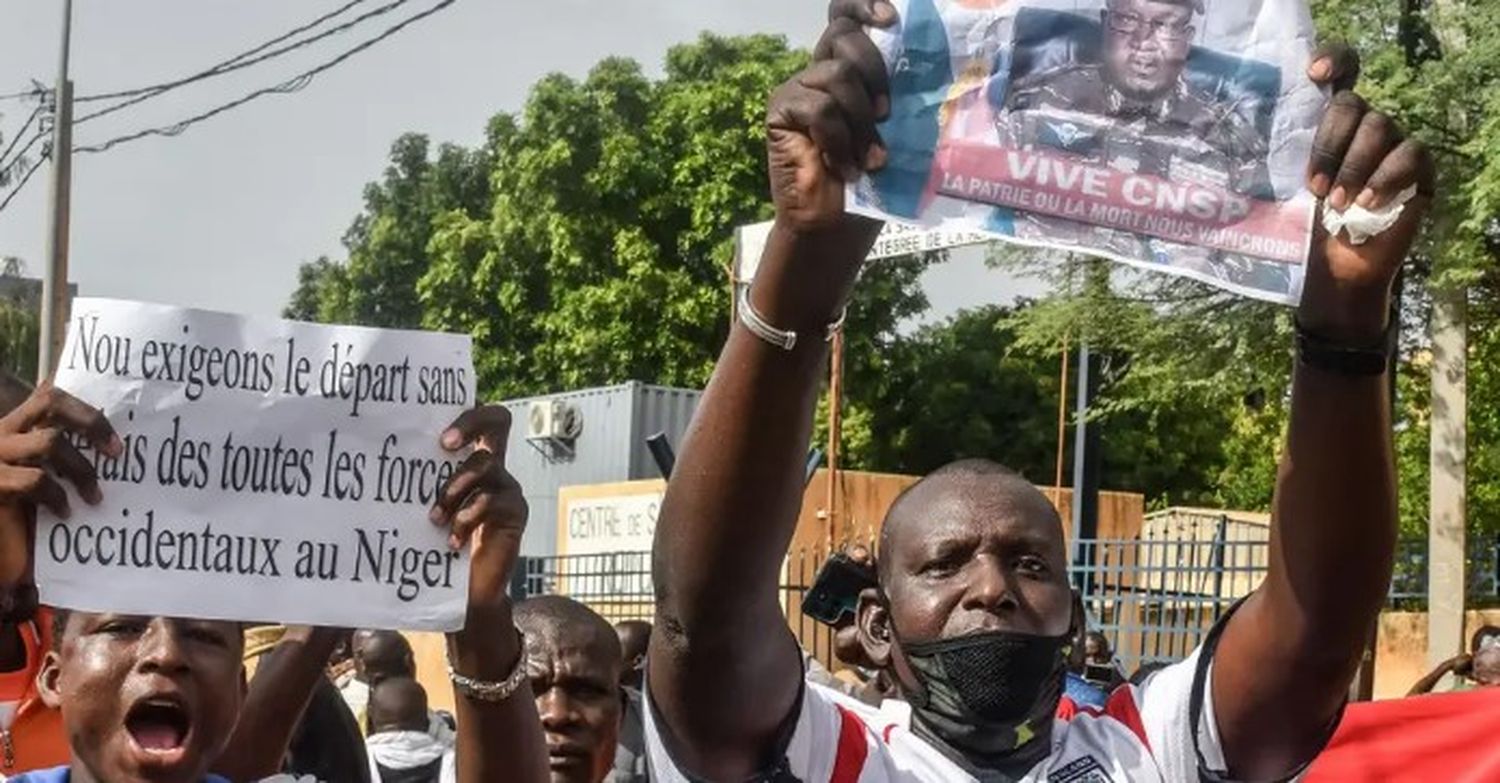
630	751
575	663
635	639
1478	668
399	746
378	656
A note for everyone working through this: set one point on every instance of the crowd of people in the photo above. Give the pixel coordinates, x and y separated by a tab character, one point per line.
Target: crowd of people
966	653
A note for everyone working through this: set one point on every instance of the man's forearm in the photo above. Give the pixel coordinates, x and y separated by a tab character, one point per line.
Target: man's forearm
496	740
1427	683
278	696
736	491
1334	534
1332	542
724	668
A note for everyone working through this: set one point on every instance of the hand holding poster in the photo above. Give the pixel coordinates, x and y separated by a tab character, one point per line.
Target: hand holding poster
271	470
1169	134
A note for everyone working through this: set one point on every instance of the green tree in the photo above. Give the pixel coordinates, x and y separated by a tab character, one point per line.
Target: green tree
605	254
388	241
956	390
590	241
1447	97
19	322
320	291
1191	405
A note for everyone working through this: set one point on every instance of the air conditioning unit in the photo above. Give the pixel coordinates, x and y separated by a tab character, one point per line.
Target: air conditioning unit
553	420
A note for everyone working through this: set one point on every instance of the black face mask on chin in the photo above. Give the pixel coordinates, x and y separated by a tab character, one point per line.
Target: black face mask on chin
991	693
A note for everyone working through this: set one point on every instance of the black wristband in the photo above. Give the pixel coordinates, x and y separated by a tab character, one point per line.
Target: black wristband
1338	358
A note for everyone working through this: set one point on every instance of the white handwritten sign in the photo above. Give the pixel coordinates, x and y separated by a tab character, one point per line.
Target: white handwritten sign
272	470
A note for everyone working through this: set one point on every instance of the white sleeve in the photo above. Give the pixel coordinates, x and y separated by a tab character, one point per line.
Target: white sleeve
1165	704
449	771
374	767
809	755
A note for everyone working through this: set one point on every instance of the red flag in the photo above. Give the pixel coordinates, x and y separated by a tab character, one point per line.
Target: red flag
1452	737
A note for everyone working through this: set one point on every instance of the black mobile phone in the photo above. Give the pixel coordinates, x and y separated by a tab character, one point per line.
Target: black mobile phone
835	592
1098	674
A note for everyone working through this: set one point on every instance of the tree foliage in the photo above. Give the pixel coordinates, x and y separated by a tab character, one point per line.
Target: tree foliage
589	241
19	322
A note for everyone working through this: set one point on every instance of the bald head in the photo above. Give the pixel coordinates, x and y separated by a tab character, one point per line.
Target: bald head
382	655
968	488
573	659
1486	667
562	623
397	704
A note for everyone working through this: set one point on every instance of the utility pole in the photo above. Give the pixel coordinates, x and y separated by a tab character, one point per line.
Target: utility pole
55	298
1086	465
835	436
1447	532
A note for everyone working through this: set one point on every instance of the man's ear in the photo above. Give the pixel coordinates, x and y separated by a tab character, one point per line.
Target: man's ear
49	680
874	622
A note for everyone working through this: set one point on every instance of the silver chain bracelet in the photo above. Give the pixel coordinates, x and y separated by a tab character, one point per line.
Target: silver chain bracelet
490	690
781	338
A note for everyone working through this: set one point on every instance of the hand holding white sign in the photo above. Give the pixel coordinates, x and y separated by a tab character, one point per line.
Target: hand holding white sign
265	470
483	498
34	452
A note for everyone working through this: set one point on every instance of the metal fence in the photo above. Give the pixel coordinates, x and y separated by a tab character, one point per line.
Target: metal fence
1154	599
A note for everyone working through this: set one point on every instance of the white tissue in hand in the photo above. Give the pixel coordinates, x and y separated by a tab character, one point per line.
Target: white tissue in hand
1364	223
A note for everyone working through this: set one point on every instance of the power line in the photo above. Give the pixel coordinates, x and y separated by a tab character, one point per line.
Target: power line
239	61
293	84
226	63
36	91
25	178
36	139
16	139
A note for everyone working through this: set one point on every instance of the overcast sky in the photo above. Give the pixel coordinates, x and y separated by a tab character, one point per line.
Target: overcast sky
221	216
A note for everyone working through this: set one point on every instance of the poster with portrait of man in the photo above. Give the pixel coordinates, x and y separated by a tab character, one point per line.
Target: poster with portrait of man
1167	134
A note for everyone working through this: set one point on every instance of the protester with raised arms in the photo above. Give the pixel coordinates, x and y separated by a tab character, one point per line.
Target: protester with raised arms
156	698
973	613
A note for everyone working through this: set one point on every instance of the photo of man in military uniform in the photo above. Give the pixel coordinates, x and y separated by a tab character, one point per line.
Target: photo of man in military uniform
1135	111
1146	117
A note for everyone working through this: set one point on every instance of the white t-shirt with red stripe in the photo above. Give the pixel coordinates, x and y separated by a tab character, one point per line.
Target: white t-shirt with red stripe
1143	735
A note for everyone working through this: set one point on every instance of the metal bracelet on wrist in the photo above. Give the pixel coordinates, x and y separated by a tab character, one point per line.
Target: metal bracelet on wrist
781	338
491	690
